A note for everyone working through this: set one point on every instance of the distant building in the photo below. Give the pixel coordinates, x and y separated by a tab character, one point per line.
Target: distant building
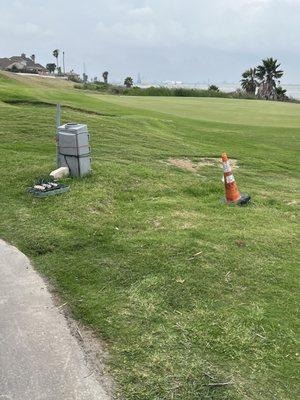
21	64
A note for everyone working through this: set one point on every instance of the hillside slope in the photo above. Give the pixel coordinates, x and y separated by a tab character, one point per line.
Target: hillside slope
186	291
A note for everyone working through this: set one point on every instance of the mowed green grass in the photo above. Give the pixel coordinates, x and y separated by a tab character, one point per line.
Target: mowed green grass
185	291
243	112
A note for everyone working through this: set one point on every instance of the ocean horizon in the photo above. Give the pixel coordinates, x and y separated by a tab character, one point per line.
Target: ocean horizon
293	90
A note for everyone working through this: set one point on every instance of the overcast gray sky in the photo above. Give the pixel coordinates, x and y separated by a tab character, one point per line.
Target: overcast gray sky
185	40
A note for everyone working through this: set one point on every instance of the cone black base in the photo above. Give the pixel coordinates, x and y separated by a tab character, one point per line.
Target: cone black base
245	198
243	201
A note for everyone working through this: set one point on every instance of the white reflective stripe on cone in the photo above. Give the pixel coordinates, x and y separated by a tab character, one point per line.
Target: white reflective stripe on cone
230	179
226	167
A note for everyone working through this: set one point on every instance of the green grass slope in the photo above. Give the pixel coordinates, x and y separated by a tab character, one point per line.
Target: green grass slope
186	291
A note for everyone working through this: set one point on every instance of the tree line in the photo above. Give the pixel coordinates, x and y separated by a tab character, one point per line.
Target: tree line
52	67
262	81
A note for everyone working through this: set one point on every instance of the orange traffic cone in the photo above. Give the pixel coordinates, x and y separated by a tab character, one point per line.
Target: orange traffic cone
232	193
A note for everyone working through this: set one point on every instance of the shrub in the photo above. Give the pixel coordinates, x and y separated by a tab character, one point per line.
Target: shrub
213	88
161	91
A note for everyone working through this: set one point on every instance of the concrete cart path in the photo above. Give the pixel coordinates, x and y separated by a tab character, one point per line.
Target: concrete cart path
39	358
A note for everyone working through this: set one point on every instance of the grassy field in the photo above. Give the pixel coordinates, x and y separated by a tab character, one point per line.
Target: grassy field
186	291
231	111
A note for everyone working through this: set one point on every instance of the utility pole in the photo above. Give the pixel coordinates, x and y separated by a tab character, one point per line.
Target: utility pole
58	123
64	68
84	76
58	115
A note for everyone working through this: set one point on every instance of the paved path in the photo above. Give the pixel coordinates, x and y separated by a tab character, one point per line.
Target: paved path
39	358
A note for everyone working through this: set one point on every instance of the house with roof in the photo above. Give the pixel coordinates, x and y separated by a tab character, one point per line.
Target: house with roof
21	64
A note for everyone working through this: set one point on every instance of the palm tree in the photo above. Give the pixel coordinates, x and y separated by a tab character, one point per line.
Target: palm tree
249	83
56	54
85	77
128	82
281	93
105	76
268	73
51	67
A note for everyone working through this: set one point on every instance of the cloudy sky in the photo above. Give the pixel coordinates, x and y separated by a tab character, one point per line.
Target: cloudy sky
184	40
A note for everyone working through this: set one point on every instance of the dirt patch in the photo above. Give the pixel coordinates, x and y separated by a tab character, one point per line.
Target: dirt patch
94	349
294	203
183	164
197	164
95	352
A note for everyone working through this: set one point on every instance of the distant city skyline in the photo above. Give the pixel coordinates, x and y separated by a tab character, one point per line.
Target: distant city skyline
191	41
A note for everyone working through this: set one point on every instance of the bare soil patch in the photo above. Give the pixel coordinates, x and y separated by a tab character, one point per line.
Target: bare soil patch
294	203
94	349
196	165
